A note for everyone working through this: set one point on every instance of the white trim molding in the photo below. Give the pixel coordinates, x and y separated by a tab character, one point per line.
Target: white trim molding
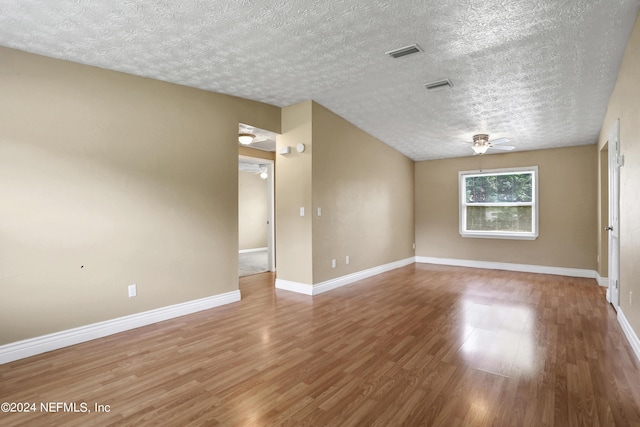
525	268
602	281
633	339
246	251
328	285
288	285
463	204
31	347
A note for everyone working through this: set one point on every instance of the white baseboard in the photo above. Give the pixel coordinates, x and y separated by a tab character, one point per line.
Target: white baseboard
31	347
629	333
525	268
328	285
246	251
602	281
288	285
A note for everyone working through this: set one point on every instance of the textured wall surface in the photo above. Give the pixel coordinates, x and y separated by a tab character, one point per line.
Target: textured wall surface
107	180
567	179
539	72
294	260
365	190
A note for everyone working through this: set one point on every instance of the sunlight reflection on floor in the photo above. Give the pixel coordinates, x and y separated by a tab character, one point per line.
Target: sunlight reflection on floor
499	337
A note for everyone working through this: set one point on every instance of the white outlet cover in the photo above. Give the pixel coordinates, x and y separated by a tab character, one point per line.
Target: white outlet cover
301	211
133	291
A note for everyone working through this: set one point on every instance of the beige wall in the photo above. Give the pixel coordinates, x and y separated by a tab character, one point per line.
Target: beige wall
252	211
625	105
293	190
363	187
568	209
365	190
107	180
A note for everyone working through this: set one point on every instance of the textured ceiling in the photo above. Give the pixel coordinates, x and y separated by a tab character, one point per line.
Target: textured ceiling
539	72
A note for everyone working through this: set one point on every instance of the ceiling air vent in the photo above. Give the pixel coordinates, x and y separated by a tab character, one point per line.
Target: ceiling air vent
404	51
439	85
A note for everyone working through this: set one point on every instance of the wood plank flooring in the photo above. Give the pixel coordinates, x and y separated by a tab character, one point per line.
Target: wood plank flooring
421	345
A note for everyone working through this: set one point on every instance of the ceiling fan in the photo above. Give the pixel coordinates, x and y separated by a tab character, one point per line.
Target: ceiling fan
481	144
254	168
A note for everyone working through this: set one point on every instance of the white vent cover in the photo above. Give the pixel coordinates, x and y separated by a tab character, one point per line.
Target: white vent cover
404	51
439	85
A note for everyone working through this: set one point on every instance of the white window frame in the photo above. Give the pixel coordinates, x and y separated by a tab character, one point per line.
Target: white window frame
462	202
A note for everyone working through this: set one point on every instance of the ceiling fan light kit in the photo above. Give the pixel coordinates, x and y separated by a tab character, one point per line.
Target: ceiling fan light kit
481	144
480	149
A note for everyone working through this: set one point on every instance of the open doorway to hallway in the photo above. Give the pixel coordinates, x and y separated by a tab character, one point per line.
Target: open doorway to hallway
256	230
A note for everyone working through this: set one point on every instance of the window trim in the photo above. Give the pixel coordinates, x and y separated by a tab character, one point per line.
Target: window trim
462	204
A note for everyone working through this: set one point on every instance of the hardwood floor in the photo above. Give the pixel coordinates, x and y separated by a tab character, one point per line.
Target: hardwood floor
421	345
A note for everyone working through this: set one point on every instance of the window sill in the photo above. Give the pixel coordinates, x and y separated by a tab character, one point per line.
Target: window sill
497	235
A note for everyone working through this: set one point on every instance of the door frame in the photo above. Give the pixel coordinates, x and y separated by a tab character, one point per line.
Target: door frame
271	234
614	160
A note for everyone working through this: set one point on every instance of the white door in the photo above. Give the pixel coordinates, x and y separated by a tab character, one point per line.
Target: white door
271	243
613	292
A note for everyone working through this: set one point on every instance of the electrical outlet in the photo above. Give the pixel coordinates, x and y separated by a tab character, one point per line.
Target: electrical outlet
414	246
133	290
346	260
333	263
630	298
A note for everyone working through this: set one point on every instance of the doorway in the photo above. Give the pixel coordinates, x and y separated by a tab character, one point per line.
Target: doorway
613	226
255	216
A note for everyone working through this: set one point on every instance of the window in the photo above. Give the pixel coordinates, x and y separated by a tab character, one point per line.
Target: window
500	203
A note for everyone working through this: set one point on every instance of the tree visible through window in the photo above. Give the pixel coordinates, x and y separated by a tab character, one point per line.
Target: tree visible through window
499	203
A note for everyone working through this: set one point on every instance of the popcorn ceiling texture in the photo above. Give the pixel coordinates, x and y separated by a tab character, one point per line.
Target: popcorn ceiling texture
538	72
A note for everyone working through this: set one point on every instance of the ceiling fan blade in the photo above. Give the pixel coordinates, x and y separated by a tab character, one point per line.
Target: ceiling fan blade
499	141
503	147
